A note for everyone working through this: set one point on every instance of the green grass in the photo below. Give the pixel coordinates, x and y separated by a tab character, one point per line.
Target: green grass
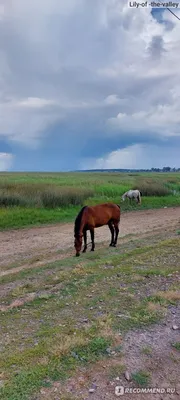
18	217
141	378
176	345
28	199
34	377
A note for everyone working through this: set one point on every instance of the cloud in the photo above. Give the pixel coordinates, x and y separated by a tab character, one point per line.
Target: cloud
138	156
34	102
163	119
112	100
87	69
6	160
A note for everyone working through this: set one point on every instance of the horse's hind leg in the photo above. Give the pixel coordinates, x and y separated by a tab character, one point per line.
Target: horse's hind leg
116	226
112	233
92	239
85	241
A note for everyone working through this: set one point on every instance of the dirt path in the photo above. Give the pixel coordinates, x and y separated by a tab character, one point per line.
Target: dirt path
21	245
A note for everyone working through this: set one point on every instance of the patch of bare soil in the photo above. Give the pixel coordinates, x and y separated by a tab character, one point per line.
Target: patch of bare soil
43	243
161	362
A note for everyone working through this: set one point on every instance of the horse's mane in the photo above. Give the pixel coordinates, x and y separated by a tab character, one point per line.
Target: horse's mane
78	221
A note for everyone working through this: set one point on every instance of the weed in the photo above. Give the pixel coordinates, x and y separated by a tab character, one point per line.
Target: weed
141	378
146	350
176	345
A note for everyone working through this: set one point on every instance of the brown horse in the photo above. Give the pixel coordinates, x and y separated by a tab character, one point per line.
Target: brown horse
94	217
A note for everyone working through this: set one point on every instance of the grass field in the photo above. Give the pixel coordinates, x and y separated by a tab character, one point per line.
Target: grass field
34	198
66	318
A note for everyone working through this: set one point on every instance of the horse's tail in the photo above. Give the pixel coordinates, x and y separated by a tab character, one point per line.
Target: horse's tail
139	198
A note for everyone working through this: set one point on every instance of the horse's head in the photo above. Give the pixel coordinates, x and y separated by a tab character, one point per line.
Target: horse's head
123	197
78	244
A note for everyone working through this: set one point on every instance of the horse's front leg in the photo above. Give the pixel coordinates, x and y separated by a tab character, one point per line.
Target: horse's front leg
92	239
85	240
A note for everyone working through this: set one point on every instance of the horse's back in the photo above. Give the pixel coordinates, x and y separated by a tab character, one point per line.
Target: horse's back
103	207
101	214
133	192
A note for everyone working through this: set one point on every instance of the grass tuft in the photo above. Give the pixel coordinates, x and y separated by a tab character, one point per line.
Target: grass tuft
176	345
141	378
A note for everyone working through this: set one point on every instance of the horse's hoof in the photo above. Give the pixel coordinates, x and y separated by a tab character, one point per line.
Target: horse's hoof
92	249
77	255
83	251
111	244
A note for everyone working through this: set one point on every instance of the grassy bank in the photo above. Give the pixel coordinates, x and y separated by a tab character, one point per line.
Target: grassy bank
33	198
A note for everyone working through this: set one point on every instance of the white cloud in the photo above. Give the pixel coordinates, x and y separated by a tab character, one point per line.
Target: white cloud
116	63
138	156
6	160
162	119
34	102
113	99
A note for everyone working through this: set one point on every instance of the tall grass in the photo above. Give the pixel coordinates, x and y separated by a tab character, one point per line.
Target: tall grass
110	189
64	197
41	195
150	187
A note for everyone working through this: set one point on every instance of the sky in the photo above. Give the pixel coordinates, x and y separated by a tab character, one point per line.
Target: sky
88	84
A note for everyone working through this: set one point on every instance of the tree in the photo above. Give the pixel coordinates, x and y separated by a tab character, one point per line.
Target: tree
166	169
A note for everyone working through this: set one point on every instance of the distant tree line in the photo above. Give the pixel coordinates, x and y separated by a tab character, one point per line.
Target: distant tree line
164	169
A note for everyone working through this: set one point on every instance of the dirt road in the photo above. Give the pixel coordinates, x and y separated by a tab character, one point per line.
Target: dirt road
22	245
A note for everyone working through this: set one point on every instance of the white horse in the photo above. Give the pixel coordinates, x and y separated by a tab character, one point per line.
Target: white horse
133	194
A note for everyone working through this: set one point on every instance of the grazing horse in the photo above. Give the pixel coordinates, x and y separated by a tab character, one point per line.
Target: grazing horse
133	194
94	217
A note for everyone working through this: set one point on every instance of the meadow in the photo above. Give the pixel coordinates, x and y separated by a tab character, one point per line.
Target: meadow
40	198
